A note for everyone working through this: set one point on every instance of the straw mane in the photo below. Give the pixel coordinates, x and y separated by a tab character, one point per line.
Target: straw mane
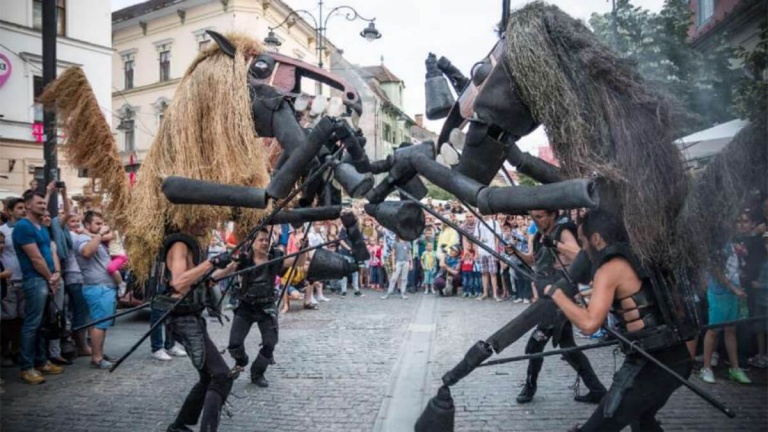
602	119
207	133
90	143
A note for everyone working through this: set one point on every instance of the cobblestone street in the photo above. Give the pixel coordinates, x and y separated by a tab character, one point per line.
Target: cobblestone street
357	364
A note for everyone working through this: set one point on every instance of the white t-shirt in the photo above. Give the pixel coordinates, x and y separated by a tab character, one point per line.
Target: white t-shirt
486	236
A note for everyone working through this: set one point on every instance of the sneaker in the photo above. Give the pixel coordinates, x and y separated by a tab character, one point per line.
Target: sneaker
324	299
343	294
358	294
177	351
102	364
739	376
526	301
50	369
313	300
758	361
707	375
715	359
229	306
32	376
385	296
161	355
403	296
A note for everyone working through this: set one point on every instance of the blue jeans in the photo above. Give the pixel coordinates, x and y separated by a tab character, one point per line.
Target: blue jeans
79	307
34	348
156	337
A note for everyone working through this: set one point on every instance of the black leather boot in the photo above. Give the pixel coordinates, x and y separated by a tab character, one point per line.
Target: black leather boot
178	427
258	368
582	366
528	391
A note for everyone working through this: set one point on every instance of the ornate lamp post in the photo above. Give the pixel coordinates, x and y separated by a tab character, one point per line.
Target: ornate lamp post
370	33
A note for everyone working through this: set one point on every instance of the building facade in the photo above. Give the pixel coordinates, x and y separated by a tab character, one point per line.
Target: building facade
83	40
737	20
155	41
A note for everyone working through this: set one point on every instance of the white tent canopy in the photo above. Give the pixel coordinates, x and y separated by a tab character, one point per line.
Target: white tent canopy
709	142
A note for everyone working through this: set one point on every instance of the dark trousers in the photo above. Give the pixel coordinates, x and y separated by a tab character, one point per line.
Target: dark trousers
643	389
578	361
523	287
414	275
245	316
215	382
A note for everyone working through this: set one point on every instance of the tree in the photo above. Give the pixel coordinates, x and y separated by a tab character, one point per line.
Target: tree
524	180
752	93
701	82
435	192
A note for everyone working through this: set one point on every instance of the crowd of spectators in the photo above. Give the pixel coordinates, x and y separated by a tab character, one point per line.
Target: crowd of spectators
74	263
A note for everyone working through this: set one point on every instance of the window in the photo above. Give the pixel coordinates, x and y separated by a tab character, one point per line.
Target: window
203	44
61	16
165	65
706	10
37	90
128	78
387	133
128	126
160	108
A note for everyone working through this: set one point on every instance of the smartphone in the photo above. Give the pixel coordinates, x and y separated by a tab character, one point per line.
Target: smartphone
60	185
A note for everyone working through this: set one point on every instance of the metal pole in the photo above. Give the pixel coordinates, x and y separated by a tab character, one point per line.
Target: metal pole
550	353
49	118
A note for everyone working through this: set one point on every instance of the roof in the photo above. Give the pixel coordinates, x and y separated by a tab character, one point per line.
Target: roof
380	73
141	9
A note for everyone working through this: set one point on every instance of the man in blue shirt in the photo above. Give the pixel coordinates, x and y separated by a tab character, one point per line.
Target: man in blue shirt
40	272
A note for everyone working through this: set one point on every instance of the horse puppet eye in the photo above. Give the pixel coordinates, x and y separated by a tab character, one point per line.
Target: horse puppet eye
262	66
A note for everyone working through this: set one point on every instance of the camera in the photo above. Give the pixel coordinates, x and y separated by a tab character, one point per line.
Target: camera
60	185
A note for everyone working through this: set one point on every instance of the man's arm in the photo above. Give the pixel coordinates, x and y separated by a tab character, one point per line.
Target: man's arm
719	275
38	262
88	249
67	208
605	283
182	278
567	245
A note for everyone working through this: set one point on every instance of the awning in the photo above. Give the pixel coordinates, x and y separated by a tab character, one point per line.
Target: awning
709	142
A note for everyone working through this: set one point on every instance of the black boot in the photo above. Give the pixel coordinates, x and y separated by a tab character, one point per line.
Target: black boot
260	381
178	427
258	367
528	391
582	366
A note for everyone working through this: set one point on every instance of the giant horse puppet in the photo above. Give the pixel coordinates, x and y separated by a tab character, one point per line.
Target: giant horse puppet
612	133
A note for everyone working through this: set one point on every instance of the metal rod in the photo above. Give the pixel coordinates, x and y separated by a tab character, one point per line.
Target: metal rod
158	322
473	239
550	353
735	322
274	260
50	150
111	317
495	234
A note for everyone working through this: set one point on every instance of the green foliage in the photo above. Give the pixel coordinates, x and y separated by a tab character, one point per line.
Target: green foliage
525	180
435	192
751	95
702	82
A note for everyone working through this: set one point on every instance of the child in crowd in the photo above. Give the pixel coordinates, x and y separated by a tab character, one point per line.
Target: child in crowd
468	270
429	267
375	264
114	244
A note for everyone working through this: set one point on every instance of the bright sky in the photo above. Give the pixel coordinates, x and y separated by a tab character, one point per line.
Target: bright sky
411	29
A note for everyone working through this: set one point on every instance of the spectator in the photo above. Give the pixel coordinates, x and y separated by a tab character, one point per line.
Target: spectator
470	279
401	263
429	264
448	237
507	273
345	249
520	241
41	274
99	288
374	250
73	284
12	302
447	280
486	233
761	302
723	294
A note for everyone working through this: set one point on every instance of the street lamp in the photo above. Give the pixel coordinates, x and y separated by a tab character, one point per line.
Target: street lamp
370	33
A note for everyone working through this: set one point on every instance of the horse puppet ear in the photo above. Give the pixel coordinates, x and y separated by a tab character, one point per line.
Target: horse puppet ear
224	44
